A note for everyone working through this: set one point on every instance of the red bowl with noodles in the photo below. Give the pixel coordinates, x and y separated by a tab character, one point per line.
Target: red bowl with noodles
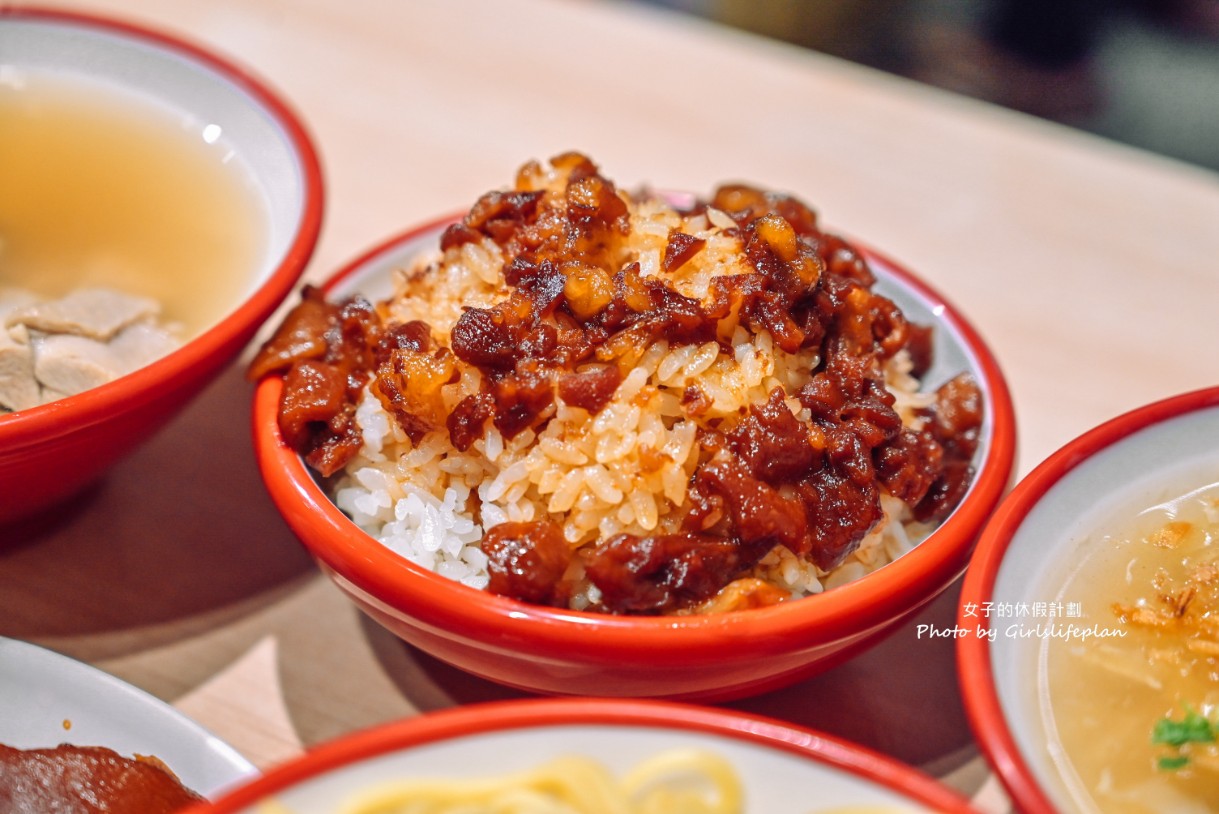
571	649
152	129
757	763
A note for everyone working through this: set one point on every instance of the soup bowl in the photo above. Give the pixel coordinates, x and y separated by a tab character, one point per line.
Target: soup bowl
557	651
1047	637
780	767
52	451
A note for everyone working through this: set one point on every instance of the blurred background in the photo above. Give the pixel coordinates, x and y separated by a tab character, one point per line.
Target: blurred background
1142	72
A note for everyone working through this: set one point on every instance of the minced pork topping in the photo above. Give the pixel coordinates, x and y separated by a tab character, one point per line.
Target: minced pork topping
577	303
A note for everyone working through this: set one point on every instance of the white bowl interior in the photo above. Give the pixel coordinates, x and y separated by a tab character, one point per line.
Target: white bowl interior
47	699
774	780
1144	468
210	104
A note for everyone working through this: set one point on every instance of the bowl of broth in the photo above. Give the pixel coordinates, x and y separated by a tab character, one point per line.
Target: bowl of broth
1088	646
152	189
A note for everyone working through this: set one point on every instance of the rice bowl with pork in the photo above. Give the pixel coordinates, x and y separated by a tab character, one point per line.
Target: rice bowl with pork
624	403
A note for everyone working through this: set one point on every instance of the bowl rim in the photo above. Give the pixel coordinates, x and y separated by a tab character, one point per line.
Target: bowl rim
974	670
856	608
531	713
44	422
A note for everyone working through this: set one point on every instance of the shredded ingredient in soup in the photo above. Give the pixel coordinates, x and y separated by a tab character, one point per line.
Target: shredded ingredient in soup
1182	614
1136	713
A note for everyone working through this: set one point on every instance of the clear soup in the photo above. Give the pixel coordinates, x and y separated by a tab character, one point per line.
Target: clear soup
104	187
1134	718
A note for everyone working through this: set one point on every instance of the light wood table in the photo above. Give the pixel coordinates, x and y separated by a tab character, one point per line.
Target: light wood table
1090	268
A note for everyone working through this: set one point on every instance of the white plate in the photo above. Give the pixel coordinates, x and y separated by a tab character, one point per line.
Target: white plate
47	699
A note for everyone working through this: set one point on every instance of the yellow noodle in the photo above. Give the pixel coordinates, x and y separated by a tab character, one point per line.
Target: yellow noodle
680	781
677	781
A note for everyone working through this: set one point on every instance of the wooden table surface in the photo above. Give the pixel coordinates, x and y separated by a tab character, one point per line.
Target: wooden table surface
1091	269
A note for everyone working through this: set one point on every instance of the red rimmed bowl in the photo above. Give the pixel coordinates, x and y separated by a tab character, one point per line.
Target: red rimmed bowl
1030	587
781	768
50	452
547	650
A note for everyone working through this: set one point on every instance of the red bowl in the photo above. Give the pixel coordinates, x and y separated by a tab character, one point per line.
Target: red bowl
554	651
51	452
1040	531
781	767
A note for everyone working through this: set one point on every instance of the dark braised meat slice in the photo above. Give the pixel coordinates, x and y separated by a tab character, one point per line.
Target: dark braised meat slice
680	249
822	515
841	511
527	561
87	780
590	389
957	416
956	424
521	399
909	464
466	422
946	492
302	335
760	516
848	402
488	337
496	215
772	442
316	416
314	392
326	352
660	573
